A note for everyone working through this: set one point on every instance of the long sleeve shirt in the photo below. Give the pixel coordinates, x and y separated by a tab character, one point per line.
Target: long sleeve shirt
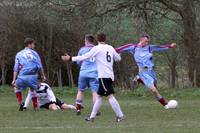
143	55
104	55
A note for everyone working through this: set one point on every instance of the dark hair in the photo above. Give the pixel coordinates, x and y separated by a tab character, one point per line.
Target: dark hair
101	37
90	38
28	41
147	36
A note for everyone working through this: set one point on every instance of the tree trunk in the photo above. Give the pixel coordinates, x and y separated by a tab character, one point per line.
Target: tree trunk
173	76
70	75
59	75
3	73
191	42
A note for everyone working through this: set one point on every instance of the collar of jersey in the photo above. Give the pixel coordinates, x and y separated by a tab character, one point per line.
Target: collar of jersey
102	43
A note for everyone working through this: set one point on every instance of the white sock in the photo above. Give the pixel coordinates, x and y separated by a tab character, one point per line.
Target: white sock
96	106
115	106
28	99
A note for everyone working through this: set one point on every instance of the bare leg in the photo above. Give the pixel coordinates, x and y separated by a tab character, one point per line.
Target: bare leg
158	96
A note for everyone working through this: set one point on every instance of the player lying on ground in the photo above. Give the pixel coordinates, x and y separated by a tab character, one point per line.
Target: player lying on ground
104	55
47	99
143	55
88	74
26	69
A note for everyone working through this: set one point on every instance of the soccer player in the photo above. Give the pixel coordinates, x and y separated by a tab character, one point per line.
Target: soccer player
26	69
104	55
88	74
143	55
47	99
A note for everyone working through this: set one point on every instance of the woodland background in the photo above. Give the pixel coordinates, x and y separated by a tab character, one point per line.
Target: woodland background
60	25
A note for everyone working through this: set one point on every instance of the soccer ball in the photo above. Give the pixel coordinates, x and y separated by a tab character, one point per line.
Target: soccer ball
172	104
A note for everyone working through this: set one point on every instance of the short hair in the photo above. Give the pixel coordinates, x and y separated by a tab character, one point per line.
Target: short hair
28	41
90	38
101	37
147	36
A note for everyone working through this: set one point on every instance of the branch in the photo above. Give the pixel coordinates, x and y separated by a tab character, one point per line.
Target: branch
171	6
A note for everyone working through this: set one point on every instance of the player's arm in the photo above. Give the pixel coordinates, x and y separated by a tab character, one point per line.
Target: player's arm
28	99
126	48
16	70
157	48
86	56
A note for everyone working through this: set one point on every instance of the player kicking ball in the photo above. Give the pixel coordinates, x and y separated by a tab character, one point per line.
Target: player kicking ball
26	69
104	55
143	55
47	99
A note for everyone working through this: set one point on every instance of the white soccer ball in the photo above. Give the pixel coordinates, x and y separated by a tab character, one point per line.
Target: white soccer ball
172	104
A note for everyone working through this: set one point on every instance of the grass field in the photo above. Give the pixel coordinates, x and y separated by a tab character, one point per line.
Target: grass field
143	115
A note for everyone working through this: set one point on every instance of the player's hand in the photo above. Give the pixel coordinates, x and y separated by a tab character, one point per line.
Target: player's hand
65	57
173	45
13	83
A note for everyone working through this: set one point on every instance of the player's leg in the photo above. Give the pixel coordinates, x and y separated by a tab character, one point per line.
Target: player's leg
157	95
106	89
79	101
18	94
33	82
27	101
94	86
68	106
108	84
116	107
95	109
149	79
60	104
20	85
82	84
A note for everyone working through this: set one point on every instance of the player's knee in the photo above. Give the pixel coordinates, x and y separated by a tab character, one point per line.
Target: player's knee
155	91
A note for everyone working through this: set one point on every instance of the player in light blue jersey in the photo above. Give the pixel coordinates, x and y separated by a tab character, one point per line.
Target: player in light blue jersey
143	55
88	76
26	69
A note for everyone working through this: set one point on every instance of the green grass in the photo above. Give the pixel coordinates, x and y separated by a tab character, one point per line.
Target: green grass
143	114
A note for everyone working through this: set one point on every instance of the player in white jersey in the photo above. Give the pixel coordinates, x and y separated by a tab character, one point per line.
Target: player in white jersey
104	55
47	99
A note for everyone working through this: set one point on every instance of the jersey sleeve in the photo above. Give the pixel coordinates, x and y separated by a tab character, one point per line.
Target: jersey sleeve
157	48
51	95
93	52
126	48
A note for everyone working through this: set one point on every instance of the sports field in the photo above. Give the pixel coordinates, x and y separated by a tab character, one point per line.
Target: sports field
143	115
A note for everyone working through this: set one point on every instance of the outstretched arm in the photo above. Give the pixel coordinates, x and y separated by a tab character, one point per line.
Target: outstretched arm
158	48
86	56
126	48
